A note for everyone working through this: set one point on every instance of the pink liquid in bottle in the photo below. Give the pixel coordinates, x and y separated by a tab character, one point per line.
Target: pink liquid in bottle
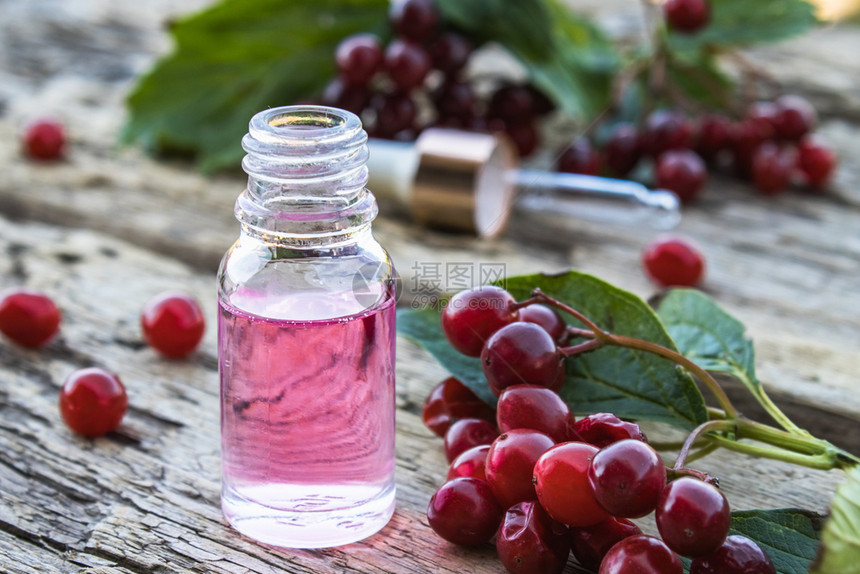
307	418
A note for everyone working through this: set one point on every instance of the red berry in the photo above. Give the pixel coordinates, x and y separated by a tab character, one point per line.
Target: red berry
450	52
44	140
716	135
513	104
468	433
536	408
471	463
795	117
351	98
623	150
531	542
546	318
510	462
455	100
471	316
521	353
749	135
395	112
683	172
435	413
603	429
641	554
579	157
687	16
765	113
693	517
737	555
561	483
28	318
407	64
673	262
93	402
524	136
414	19
173	324
461	402
463	511
627	478
591	543
772	167
358	58
816	160
666	130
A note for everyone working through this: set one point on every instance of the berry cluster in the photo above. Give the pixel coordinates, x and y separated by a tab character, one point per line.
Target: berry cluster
424	64
545	484
772	146
93	401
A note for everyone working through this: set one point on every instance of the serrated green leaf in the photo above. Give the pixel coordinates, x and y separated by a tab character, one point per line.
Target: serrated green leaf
789	536
740	23
237	58
708	335
839	552
567	57
631	384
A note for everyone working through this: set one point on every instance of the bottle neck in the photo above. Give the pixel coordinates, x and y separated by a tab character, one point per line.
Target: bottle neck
307	173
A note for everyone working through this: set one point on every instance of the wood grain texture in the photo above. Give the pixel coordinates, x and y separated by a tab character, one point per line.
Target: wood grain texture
107	228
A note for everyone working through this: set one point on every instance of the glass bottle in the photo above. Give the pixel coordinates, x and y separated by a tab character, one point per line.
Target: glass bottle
306	339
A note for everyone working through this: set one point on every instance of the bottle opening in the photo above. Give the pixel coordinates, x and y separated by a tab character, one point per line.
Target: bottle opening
305	119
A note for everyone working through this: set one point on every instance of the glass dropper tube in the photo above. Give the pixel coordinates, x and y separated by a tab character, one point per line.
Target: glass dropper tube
470	181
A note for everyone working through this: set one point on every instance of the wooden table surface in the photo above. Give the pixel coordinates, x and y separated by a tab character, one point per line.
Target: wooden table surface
107	228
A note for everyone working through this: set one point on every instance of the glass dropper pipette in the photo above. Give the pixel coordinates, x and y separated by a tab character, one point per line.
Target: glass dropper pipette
470	182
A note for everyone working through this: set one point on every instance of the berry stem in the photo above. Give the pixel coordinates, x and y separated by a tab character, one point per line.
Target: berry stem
710	426
581	348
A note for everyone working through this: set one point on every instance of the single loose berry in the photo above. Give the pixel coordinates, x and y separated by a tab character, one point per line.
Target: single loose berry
816	160
173	324
641	554
44	140
693	517
531	542
772	167
536	408
468	433
737	555
93	402
470	463
561	483
510	462
666	130
521	353
471	316
579	157
546	318
590	544
683	172
627	478
407	64
603	429
28	318
464	511
672	261
358	58
795	117
414	19
623	149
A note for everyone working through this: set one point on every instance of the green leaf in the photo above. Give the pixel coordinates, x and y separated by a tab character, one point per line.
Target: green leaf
789	536
631	384
840	541
567	57
423	326
698	76
233	60
740	23
708	335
